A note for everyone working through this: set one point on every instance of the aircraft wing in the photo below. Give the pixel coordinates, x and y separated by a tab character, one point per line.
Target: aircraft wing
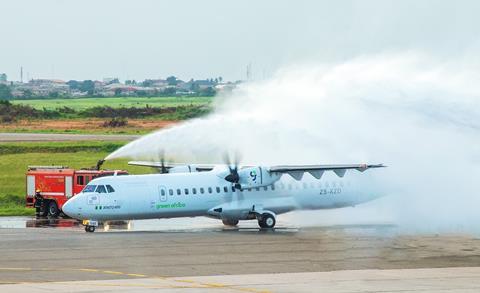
296	171
199	167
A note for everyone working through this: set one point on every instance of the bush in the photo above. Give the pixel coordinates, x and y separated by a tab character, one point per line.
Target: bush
115	122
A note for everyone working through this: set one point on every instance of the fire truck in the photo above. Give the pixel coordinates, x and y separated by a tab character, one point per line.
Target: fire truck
56	184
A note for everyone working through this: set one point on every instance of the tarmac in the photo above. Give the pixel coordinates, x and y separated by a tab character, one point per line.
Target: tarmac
199	256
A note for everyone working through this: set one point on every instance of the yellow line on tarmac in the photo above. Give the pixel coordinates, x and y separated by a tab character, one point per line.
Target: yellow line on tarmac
15	269
113	273
136	275
194	284
88	270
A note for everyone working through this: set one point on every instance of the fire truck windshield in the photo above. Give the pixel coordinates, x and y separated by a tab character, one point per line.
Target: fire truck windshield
89	188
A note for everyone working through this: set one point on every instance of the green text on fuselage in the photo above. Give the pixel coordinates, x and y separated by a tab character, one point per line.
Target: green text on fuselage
175	205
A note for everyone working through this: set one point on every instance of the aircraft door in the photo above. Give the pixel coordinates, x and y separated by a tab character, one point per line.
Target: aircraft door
162	192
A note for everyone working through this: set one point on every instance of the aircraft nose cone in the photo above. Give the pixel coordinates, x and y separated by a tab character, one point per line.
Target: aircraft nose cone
69	208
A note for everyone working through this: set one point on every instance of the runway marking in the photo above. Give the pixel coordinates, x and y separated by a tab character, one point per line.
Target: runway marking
88	270
114	273
137	275
194	284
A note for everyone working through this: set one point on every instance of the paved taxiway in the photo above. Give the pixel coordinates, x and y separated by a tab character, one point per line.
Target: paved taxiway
142	260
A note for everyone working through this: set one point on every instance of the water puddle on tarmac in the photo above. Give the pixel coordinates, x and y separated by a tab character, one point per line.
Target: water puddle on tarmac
165	225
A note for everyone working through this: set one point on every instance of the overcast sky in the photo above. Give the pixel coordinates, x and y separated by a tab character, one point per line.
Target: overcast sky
92	39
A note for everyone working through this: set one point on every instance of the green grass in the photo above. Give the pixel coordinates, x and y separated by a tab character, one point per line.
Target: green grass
13	166
116	102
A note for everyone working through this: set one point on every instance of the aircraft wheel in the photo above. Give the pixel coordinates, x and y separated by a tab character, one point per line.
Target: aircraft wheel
53	209
90	229
267	221
230	222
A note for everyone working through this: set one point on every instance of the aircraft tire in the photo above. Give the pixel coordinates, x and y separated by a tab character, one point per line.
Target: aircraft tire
90	229
53	210
230	222
267	221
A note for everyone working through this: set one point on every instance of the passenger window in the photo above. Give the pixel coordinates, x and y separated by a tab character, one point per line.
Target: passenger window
162	192
209	190
194	191
218	189
79	180
233	188
110	189
101	189
202	191
225	189
186	191
179	192
170	191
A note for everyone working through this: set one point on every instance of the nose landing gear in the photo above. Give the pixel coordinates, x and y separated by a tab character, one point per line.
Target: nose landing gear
90	225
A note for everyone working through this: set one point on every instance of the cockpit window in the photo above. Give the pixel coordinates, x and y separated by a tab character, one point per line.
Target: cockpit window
101	189
89	188
110	189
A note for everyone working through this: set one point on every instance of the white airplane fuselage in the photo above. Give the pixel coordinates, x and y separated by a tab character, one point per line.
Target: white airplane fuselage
207	194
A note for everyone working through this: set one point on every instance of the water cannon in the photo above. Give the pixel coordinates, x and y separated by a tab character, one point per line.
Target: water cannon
99	164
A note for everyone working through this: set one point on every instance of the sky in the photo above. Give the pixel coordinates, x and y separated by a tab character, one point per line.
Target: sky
93	39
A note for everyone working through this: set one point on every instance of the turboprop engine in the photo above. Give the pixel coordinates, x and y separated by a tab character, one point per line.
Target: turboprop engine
251	177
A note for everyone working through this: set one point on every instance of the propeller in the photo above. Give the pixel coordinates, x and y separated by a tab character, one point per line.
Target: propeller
233	177
161	159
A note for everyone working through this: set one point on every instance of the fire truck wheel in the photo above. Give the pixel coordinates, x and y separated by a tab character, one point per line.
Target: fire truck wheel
53	209
90	229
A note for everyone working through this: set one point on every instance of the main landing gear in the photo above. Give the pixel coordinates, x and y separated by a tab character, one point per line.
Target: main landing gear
230	222
90	229
266	221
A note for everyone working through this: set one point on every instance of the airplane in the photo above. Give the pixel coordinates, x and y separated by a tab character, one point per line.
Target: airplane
226	192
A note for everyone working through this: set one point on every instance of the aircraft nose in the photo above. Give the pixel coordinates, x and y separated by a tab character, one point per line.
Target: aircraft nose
70	207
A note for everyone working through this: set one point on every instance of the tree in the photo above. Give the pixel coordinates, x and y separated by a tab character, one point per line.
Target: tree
172	80
147	83
220	79
5	92
118	92
74	85
87	86
169	91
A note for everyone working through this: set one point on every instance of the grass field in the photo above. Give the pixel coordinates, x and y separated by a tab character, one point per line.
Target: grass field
16	157
115	102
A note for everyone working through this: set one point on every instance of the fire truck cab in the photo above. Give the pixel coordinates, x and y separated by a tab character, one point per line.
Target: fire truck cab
57	184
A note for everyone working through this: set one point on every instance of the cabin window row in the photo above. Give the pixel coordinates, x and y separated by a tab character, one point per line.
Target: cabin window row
226	189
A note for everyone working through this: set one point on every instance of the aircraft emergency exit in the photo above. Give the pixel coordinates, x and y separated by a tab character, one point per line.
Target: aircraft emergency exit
226	192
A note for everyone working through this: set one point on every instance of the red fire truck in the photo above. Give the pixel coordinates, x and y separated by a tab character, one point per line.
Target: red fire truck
56	184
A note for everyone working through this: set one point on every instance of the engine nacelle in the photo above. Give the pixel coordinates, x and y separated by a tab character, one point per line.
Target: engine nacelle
252	177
